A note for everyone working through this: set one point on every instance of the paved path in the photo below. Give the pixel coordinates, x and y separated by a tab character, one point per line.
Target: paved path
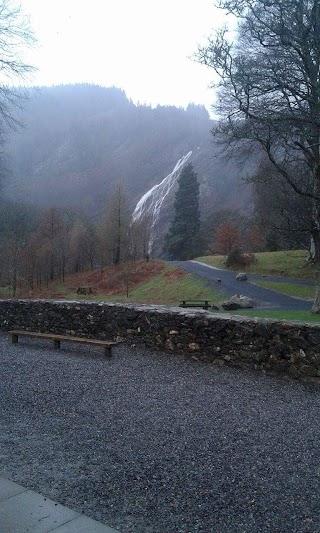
264	298
24	511
156	443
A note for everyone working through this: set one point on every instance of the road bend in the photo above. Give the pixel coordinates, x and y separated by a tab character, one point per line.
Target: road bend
225	280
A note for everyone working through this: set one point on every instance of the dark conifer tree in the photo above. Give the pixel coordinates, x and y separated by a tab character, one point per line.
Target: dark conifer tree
183	238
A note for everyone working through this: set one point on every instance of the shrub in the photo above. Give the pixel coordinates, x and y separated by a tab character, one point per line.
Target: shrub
239	259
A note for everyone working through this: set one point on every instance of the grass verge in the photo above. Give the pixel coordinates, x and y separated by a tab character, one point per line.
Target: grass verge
292	289
169	289
301	316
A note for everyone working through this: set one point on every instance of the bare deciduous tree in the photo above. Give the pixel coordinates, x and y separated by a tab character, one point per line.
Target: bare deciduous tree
269	89
15	36
141	231
285	216
49	233
117	225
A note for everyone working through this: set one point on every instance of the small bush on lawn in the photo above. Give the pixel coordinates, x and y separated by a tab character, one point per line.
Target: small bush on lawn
236	258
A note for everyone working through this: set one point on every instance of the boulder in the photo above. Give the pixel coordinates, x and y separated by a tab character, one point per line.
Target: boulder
238	301
242	301
229	306
242	276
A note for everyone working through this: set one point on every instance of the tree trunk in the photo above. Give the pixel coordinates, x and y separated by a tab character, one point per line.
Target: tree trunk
117	254
52	268
14	283
316	238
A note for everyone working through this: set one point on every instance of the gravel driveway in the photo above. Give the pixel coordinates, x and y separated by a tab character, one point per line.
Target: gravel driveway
264	298
148	442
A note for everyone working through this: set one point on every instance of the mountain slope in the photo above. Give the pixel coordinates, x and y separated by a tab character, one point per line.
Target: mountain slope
79	140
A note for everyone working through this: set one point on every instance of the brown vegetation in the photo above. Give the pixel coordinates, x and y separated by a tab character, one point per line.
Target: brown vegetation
106	281
174	274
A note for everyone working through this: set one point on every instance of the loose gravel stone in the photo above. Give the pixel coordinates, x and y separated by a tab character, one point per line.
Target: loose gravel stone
157	443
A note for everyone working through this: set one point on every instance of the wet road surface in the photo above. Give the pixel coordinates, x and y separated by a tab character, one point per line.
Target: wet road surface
264	298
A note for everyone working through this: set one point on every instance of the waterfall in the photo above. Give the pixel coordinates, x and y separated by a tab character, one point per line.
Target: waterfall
151	202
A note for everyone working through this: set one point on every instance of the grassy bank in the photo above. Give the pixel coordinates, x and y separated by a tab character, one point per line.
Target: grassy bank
292	289
292	264
169	287
153	282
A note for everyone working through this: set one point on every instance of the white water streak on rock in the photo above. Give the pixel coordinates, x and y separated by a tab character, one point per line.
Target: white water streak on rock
151	202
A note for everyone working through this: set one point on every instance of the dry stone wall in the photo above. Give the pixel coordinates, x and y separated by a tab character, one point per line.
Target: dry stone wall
220	339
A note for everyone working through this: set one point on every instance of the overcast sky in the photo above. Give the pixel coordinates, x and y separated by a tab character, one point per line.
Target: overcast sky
142	46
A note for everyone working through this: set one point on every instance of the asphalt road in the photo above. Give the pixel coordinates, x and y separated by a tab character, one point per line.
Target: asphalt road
264	298
154	443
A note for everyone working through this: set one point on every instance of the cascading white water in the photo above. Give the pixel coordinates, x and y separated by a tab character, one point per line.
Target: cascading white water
151	202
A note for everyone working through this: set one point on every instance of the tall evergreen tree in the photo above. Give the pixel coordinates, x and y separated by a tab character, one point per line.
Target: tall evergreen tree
183	238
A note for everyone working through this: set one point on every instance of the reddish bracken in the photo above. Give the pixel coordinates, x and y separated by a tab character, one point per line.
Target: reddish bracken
174	274
105	281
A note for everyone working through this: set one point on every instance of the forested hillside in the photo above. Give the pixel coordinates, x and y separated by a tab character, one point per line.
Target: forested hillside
79	140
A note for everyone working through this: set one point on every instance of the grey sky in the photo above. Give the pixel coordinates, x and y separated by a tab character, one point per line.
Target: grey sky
141	46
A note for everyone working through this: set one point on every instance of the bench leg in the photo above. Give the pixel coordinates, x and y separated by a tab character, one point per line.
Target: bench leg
14	338
56	343
107	351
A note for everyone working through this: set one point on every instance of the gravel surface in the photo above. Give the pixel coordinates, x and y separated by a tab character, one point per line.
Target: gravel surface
155	443
264	298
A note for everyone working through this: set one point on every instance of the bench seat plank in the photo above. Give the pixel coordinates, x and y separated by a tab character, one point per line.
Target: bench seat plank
58	338
205	304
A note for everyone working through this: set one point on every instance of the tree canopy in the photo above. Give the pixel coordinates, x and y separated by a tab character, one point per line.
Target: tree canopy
269	88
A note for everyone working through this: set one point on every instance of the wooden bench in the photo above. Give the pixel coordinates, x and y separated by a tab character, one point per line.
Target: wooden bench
203	304
107	345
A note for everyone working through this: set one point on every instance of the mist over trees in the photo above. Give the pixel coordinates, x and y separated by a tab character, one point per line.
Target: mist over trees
80	140
15	36
78	144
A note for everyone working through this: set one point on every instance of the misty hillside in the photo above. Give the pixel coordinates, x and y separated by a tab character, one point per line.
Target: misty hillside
78	140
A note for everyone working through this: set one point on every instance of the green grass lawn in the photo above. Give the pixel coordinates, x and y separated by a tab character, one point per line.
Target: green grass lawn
301	316
292	289
291	264
172	290
6	292
165	289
